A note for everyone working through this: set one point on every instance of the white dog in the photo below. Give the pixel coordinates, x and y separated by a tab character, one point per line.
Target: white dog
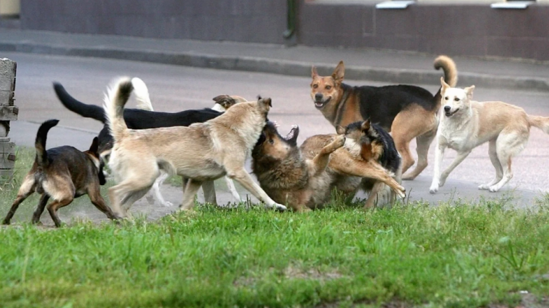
466	124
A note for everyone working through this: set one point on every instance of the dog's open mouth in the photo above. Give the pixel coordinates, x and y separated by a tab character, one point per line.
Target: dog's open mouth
320	104
449	114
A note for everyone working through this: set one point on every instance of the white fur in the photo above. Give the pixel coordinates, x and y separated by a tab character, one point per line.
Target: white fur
505	127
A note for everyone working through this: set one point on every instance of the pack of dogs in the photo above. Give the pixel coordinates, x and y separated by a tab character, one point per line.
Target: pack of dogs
368	151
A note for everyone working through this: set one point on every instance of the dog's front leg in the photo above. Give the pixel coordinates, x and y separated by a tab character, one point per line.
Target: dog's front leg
320	161
459	158
240	175
439	154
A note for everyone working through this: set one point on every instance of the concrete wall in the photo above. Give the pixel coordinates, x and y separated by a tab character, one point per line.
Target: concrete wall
476	30
261	21
426	26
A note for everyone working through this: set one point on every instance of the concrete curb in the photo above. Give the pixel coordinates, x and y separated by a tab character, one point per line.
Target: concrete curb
282	67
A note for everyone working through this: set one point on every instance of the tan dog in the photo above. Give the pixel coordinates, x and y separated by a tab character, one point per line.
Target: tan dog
62	174
200	152
303	177
466	124
407	112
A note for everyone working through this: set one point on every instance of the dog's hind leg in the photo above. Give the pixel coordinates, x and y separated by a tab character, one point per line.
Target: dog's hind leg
189	192
40	208
423	143
26	189
97	200
156	189
492	152
123	195
209	192
508	145
54	206
410	123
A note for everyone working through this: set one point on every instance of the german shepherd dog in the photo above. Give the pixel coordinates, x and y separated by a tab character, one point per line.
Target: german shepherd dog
145	117
466	124
200	152
303	177
369	141
406	111
62	174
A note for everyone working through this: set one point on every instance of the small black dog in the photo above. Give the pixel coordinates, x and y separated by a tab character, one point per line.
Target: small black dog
62	174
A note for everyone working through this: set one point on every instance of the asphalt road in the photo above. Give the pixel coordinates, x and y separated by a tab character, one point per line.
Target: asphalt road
175	88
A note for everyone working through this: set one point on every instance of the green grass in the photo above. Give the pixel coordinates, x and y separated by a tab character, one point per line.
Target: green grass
453	255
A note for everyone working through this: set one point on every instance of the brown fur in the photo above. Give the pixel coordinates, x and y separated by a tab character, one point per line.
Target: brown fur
200	152
304	177
66	173
343	106
369	143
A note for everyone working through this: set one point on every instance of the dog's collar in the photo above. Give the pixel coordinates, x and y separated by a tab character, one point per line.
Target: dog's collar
339	114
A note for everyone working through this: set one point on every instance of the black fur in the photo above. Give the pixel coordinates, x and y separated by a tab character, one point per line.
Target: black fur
382	104
135	118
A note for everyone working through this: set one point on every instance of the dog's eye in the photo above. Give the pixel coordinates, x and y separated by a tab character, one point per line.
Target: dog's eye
456	99
315	86
328	87
271	141
446	97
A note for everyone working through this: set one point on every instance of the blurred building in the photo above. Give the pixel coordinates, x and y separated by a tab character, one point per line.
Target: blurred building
485	28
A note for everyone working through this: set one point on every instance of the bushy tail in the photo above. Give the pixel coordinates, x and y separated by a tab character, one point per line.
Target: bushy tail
41	157
449	67
116	97
76	106
141	94
539	122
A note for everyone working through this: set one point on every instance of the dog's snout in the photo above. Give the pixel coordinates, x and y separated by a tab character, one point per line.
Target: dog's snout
447	108
318	96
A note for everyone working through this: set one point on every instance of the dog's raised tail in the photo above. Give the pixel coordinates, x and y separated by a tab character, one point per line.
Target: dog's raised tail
539	122
449	67
41	157
116	97
142	94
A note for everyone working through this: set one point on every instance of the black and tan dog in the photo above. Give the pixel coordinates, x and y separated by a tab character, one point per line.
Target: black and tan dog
304	177
369	141
62	174
406	111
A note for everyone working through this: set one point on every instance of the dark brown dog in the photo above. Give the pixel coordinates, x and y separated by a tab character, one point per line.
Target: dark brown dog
304	177
61	173
406	111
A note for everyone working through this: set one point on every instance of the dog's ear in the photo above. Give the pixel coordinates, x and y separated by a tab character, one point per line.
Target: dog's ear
340	129
469	91
314	74
339	73
94	148
443	84
365	126
265	101
224	100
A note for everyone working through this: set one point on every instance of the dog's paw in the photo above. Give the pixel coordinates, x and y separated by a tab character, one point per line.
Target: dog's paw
494	188
167	204
340	141
279	207
401	192
483	187
433	189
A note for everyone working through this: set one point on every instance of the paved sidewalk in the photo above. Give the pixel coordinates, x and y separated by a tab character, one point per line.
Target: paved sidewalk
368	64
